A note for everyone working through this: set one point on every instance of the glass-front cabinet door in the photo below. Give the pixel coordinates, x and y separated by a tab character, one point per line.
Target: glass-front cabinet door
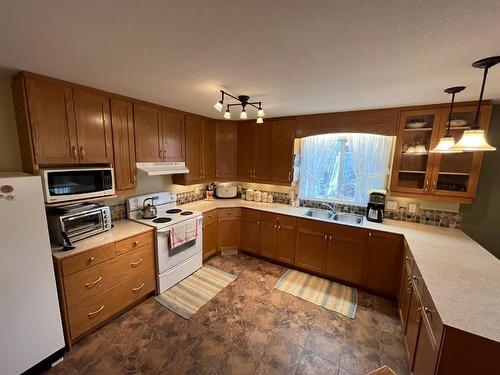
413	165
457	174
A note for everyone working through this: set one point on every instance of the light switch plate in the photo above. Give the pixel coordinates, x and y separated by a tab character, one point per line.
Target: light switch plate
391	205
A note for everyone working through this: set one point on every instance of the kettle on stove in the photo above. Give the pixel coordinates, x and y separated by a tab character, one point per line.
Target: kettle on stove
148	210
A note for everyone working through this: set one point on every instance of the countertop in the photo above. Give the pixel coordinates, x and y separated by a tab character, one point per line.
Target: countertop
462	277
122	229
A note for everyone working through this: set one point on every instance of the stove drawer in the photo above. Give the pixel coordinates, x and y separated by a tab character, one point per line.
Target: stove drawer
97	309
95	280
133	242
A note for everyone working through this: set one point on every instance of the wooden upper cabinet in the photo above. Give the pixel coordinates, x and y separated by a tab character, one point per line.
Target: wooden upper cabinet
245	151
208	150
194	129
122	123
148	133
52	121
283	137
383	262
93	127
226	150
262	152
173	131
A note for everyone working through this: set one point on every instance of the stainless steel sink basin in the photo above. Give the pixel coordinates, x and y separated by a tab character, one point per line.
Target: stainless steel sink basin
343	218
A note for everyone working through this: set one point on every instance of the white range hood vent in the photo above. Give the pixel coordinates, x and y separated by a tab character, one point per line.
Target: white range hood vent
162	168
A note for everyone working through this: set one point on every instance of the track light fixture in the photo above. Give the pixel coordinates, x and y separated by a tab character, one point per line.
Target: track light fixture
243	101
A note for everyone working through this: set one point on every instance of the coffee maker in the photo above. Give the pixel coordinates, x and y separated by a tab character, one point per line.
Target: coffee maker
376	206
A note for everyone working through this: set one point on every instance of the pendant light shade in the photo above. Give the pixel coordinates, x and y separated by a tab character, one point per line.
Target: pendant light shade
447	143
227	114
243	114
218	105
260	112
475	138
259	120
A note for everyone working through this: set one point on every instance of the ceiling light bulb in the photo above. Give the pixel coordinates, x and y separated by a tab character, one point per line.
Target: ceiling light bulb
445	146
260	112
218	105
260	120
473	140
243	114
227	114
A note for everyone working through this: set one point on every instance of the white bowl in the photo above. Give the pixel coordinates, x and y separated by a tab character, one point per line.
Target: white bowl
415	125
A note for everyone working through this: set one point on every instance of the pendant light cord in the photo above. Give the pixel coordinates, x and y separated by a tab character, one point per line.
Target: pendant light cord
448	133
480	99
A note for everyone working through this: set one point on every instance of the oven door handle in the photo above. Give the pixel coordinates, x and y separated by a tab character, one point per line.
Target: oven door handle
167	230
82	215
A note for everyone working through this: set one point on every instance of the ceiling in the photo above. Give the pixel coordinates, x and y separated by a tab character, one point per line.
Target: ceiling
296	56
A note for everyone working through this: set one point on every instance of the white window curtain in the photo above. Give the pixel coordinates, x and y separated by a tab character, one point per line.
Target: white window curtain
343	166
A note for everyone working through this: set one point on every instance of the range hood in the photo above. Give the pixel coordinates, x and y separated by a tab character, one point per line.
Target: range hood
162	168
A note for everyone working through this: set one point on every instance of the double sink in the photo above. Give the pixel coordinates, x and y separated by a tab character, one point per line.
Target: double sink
343	218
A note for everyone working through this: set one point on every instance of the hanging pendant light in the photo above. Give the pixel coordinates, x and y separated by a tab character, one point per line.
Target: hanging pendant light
227	114
243	114
475	139
244	102
445	145
260	120
220	103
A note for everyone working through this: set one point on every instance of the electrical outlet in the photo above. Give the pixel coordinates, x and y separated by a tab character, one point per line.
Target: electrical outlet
412	208
391	205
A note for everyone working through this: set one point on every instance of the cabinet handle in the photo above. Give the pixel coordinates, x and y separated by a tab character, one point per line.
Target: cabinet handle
290	176
218	220
93	283
427	310
279	226
324	239
160	154
369	236
75	152
426	185
91	259
203	226
135	264
258	222
82	152
275	226
95	312
136	243
134	179
138	288
434	185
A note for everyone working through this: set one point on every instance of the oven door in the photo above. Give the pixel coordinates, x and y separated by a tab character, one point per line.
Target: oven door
83	225
62	185
168	257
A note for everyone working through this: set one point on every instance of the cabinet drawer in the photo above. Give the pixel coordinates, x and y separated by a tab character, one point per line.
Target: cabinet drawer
87	259
248	213
210	217
269	217
133	242
90	313
228	212
430	311
88	283
287	220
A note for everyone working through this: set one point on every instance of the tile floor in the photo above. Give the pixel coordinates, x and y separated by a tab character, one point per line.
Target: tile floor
248	328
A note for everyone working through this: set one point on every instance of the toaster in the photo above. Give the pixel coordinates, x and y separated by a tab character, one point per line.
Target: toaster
226	190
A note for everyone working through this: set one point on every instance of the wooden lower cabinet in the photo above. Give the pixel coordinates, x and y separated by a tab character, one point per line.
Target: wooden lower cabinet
404	296
250	230
412	326
286	241
311	245
268	234
210	243
229	228
96	284
426	350
345	253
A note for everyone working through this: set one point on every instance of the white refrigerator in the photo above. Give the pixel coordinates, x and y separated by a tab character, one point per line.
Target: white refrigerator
30	320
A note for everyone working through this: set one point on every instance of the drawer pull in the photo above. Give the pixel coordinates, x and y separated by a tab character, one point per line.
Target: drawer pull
138	288
92	283
427	310
91	314
136	243
91	259
135	264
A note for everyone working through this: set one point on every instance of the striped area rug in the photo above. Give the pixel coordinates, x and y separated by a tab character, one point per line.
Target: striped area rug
321	292
189	295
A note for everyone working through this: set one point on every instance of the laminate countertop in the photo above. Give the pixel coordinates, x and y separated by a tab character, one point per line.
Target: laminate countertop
121	229
462	277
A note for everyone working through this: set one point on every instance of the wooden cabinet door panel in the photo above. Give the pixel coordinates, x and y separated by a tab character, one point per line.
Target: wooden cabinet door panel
93	127
148	133
283	136
209	239
268	238
194	127
250	235
404	298
122	123
286	242
173	136
426	351
311	245
229	233
262	153
226	150
245	151
383	262
346	254
412	326
208	150
52	120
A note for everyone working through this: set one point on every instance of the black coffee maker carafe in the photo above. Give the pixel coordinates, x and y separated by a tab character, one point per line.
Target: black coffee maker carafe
376	207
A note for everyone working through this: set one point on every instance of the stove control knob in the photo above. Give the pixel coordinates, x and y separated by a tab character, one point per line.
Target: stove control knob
6	189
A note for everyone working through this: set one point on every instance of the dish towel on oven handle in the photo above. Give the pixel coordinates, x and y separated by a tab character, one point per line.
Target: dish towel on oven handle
180	234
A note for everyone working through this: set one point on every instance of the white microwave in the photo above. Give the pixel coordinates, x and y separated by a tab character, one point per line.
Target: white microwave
69	184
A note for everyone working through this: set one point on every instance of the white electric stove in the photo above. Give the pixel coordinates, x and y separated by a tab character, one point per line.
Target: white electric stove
173	264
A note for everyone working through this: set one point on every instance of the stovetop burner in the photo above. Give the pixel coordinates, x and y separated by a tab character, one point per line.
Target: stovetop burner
185	213
162	220
174	211
148	218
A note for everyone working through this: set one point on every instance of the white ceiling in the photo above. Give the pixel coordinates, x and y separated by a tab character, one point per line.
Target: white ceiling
296	56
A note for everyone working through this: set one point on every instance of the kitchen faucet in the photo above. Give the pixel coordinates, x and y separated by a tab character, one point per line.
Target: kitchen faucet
331	207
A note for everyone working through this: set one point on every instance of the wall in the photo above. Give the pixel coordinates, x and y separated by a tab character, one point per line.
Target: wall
481	220
10	157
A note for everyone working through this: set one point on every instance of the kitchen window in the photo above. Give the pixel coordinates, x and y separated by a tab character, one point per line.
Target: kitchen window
343	167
